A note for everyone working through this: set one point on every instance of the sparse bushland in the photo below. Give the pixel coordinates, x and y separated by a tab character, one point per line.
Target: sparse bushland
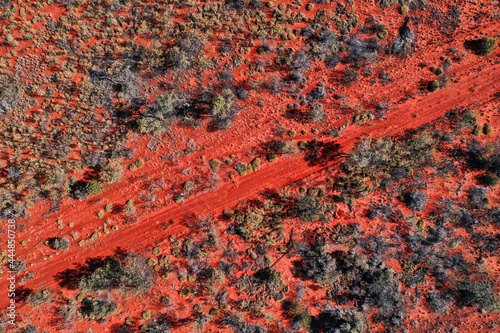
478	198
114	90
39	298
489	180
311	207
381	289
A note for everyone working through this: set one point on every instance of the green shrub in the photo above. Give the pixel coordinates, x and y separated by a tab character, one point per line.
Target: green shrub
486	45
437	70
283	147
222	105
197	308
94	187
214	312
157	117
188	186
150	125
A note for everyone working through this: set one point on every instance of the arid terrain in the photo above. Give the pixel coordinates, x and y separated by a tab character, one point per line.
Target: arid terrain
250	166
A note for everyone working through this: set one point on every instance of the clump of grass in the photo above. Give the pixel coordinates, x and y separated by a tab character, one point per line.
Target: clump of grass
437	70
188	186
214	164
129	208
477	130
58	243
243	168
214	312
487	129
255	164
272	157
137	164
433	86
197	308
146	315
382	34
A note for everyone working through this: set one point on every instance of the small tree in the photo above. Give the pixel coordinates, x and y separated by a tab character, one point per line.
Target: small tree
222	105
